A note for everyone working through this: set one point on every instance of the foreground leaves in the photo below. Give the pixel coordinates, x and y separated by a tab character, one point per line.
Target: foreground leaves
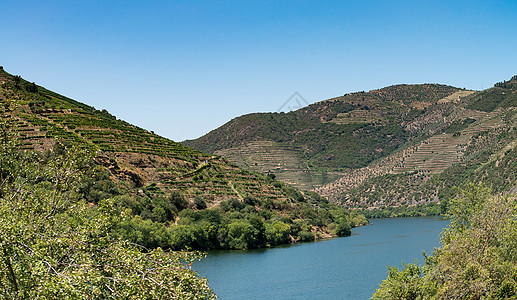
478	257
53	245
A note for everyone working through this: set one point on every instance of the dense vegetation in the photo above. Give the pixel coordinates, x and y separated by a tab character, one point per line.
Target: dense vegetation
428	209
176	197
501	95
234	224
56	245
477	259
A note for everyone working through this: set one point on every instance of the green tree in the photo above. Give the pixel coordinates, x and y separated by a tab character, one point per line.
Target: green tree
241	234
278	233
179	201
478	257
53	245
403	284
199	202
343	228
17	80
31	87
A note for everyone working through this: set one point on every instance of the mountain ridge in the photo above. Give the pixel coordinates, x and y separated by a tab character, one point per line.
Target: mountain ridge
427	131
325	137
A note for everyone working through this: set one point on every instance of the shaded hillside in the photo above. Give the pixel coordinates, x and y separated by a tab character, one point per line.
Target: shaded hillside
316	144
211	202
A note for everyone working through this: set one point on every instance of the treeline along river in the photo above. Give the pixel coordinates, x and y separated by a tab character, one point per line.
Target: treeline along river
340	268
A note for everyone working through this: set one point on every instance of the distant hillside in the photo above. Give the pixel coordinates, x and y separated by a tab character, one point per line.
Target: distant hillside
164	182
468	146
317	144
403	145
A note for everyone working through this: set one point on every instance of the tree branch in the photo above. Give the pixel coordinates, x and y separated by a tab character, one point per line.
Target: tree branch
10	268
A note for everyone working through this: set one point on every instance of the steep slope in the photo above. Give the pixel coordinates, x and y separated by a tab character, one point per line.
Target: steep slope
214	203
321	142
133	155
468	145
403	145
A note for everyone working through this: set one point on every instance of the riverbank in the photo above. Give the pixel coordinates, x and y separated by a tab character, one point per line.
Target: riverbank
404	211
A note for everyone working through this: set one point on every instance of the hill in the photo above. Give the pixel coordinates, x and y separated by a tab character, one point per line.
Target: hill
319	143
468	145
56	245
179	197
402	145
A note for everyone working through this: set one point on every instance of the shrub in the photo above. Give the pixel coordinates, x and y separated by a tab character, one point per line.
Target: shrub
199	203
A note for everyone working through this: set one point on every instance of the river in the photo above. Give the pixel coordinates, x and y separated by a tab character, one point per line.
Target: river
339	268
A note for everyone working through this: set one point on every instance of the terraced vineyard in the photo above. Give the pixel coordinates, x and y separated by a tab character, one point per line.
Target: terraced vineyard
166	194
283	160
434	155
134	156
442	151
318	144
420	173
400	145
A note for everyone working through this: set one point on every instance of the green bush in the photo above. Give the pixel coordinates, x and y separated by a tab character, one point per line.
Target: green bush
199	202
477	259
278	233
306	236
178	200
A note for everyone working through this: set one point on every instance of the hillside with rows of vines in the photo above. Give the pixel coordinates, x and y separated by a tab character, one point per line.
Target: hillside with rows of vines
318	144
397	147
178	197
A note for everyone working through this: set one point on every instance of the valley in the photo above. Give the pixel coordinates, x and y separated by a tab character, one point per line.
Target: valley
176	197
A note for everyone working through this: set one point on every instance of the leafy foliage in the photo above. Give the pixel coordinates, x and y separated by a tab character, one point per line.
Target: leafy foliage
428	209
247	224
477	259
53	245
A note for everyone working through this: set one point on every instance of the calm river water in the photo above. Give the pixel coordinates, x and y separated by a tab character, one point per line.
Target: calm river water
339	268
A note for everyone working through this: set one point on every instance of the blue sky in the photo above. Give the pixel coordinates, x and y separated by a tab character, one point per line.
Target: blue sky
183	68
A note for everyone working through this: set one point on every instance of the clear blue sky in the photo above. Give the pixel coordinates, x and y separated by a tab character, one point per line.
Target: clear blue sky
183	68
